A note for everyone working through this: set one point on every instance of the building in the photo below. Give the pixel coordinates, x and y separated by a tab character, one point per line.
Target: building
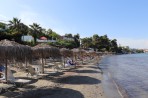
67	38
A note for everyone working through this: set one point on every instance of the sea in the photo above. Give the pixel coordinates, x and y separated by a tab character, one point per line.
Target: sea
125	76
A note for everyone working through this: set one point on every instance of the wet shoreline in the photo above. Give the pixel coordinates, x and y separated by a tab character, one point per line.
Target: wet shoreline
111	88
125	75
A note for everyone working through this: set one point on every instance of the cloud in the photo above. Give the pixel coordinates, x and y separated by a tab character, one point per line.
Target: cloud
133	43
3	18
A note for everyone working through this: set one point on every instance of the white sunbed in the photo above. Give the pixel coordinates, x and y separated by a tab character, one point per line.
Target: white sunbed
11	79
35	72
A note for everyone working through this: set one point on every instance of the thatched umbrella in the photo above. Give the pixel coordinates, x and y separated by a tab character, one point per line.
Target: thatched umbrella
76	52
43	51
79	52
10	50
66	53
92	53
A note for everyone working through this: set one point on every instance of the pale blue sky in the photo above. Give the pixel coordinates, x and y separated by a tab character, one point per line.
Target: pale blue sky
124	20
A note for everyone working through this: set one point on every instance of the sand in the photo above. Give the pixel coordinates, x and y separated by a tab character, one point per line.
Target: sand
85	81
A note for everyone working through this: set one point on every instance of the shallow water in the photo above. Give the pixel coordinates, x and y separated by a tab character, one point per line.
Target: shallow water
128	72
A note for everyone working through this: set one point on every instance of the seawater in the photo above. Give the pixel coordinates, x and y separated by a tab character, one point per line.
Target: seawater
128	74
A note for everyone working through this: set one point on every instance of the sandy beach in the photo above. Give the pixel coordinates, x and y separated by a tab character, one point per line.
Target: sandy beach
85	81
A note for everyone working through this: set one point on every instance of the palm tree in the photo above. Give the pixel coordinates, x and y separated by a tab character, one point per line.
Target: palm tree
15	25
17	29
35	31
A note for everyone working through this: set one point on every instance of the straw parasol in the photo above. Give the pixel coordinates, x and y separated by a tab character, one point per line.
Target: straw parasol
92	53
43	51
66	53
10	50
76	52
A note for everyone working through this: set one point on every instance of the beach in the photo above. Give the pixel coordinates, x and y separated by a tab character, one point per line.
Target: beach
85	81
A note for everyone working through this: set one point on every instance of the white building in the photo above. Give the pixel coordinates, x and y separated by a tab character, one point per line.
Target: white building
27	38
68	38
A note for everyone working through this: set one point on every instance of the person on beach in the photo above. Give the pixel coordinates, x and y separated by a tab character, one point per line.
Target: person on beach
70	62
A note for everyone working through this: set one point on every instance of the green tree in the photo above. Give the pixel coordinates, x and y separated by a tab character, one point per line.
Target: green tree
68	35
114	46
77	40
3	31
14	25
55	35
2	26
35	31
104	43
86	42
17	29
95	41
49	34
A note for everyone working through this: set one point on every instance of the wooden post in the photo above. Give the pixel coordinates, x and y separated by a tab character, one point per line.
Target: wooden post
26	62
64	62
42	64
6	62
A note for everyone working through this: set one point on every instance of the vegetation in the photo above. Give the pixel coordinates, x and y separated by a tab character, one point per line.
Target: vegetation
15	29
100	43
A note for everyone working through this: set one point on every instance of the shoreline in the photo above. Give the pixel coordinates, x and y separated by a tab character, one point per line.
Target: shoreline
111	87
83	82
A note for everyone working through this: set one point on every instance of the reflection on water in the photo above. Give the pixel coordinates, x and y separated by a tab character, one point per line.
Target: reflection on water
130	72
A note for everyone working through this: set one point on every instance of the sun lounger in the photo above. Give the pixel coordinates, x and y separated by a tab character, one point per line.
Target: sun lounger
2	79
58	66
12	80
19	82
36	74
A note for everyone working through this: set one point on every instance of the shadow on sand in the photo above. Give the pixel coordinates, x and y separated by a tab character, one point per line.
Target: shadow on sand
78	80
87	71
45	93
55	74
13	71
94	67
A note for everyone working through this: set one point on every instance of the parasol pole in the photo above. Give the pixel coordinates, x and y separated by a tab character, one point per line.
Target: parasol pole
6	62
42	63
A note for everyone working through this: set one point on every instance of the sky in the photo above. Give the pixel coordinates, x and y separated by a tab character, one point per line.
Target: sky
124	20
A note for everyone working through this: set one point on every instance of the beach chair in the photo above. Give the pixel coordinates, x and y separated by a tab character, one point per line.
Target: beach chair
31	72
36	74
21	67
14	81
2	78
58	66
19	82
